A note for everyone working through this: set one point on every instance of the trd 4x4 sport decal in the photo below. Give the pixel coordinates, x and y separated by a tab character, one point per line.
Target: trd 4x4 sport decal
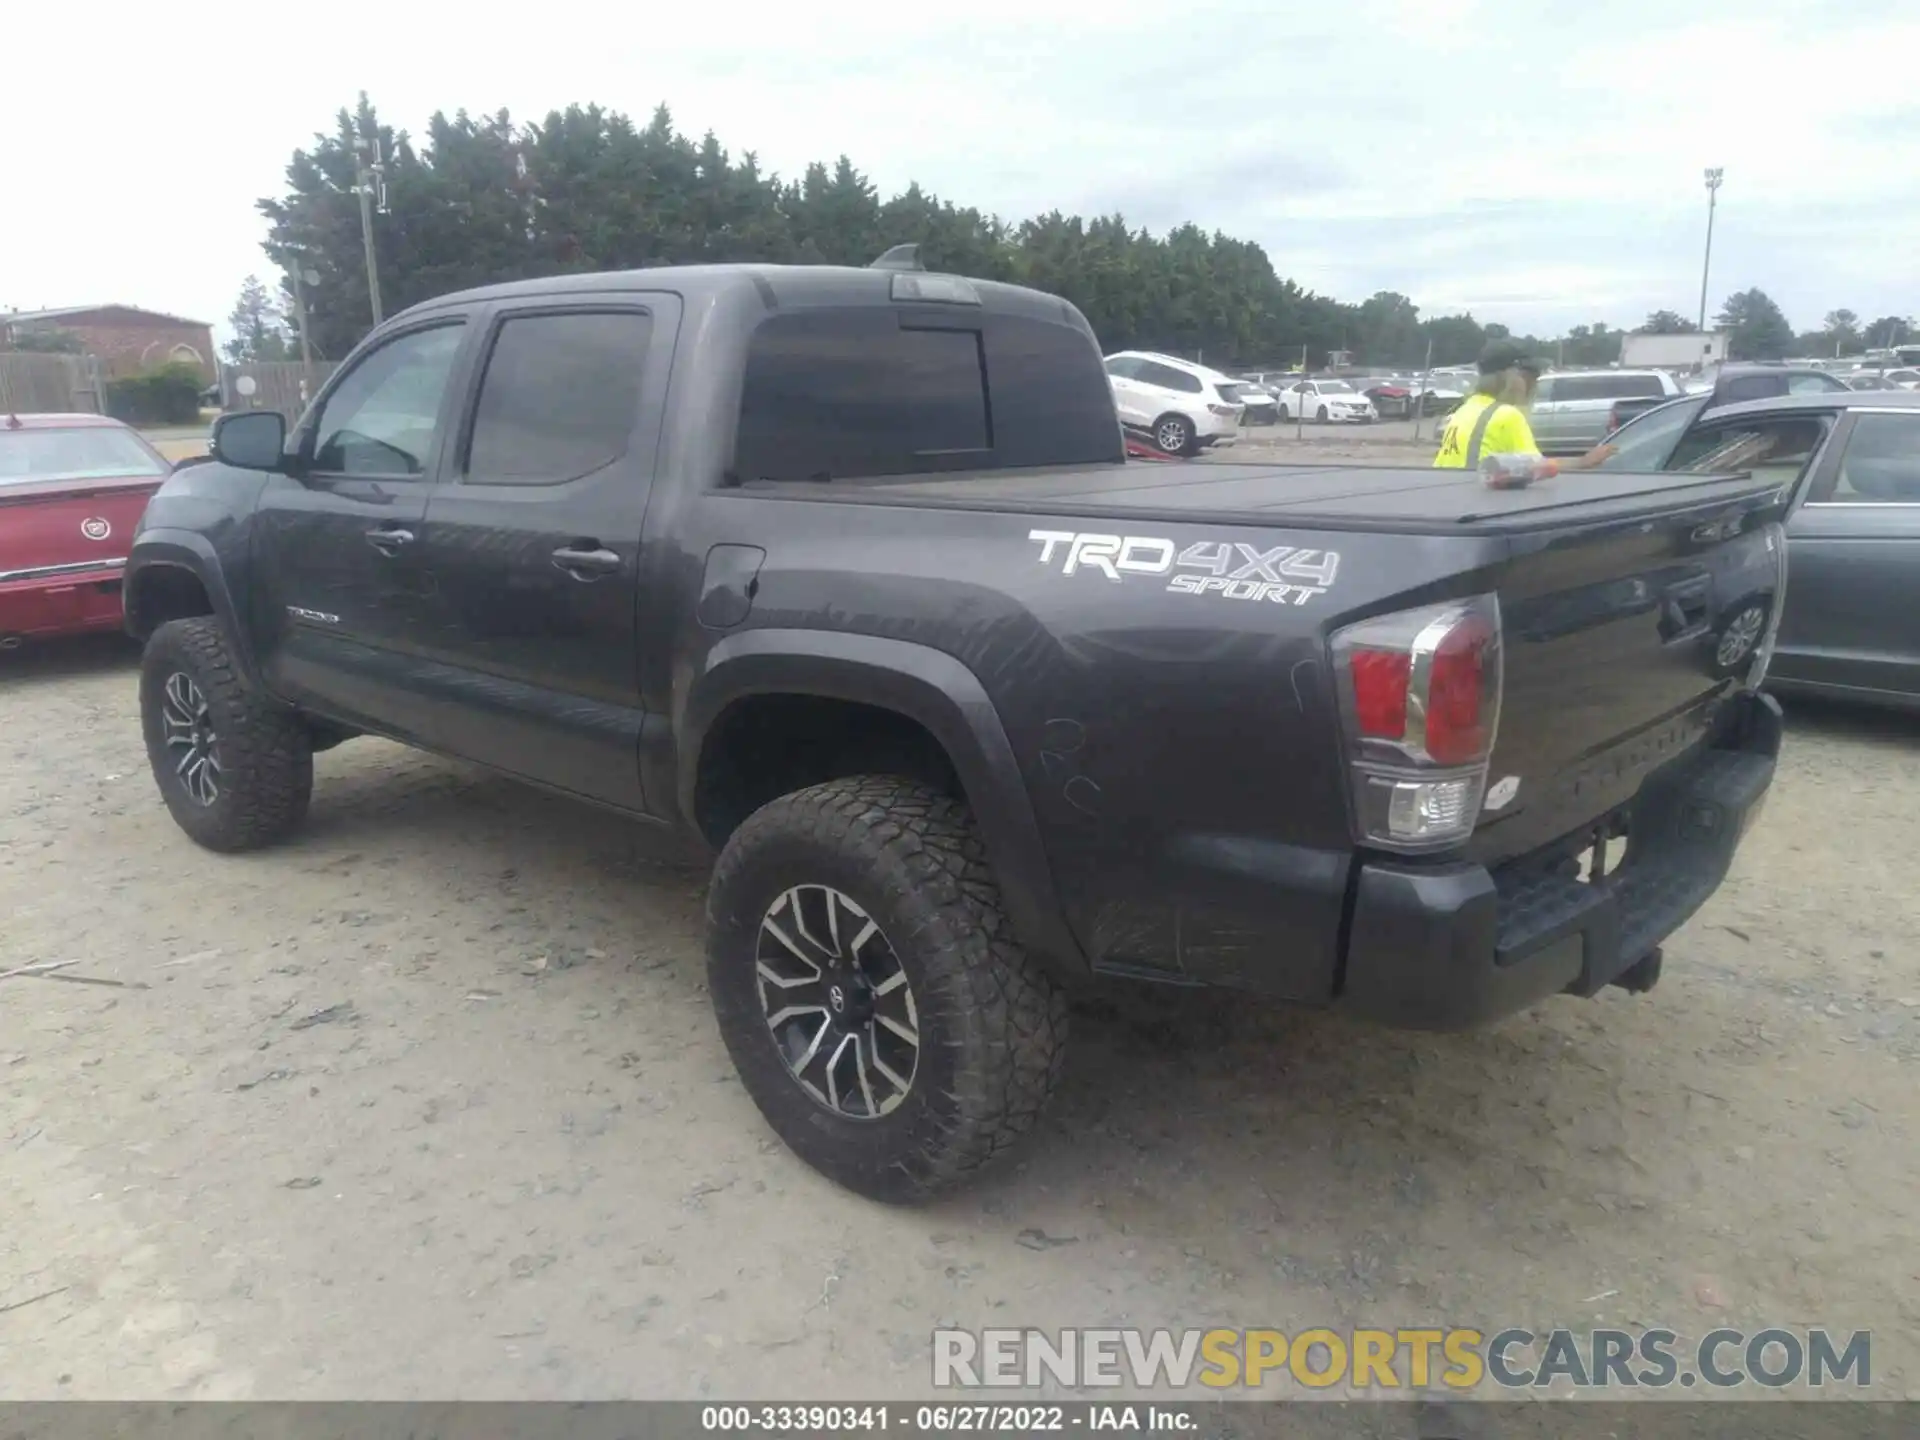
1232	569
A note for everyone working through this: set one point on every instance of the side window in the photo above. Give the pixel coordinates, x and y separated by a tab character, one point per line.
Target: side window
1187	382
1547	390
1643	444
841	394
1127	367
380	419
1814	384
1882	463
559	397
1749	387
1777	449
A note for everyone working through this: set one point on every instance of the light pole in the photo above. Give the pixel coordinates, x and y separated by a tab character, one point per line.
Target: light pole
1714	177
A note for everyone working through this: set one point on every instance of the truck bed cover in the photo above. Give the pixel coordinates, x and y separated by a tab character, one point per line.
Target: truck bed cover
1417	500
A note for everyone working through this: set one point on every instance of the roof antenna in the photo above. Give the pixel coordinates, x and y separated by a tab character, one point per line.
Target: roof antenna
900	257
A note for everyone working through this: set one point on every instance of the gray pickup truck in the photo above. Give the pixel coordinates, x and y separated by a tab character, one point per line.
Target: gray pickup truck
843	574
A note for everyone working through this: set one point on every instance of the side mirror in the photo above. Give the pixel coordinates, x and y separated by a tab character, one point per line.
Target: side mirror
252	440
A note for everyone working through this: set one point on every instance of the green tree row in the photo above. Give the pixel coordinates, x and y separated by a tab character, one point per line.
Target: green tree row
480	199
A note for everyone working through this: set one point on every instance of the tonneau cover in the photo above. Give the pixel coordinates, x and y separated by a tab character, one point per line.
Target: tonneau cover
1421	500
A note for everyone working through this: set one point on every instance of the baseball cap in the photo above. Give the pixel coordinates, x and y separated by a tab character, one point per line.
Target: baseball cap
1506	355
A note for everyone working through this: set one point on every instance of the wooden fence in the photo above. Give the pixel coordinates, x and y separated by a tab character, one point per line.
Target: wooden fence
284	385
58	383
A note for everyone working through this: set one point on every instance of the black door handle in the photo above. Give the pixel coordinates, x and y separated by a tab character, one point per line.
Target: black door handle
586	560
389	539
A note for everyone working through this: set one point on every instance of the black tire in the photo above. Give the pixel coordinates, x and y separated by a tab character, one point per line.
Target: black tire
992	1027
1175	435
1321	415
262	771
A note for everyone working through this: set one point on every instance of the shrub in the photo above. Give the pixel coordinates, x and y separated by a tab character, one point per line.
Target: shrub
165	395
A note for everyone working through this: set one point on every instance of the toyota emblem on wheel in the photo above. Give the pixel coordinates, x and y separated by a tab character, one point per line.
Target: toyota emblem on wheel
95	527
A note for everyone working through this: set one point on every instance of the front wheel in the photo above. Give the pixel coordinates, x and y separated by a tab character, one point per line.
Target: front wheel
870	991
1321	415
235	768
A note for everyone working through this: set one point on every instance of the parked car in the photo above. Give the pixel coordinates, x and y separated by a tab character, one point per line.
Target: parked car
1867	380
1737	380
71	491
1259	405
1330	402
1852	622
1175	402
1392	396
1730	383
843	574
1573	410
1905	379
1441	397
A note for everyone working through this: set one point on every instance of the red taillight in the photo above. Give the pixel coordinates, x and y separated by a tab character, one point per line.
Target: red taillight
1420	693
1456	691
1380	692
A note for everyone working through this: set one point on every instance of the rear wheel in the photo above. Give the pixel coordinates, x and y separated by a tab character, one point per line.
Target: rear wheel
235	768
870	991
1174	434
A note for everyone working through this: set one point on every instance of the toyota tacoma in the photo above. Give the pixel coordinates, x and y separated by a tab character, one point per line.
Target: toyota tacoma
845	573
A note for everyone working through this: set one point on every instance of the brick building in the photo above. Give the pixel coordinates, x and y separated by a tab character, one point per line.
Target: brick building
126	338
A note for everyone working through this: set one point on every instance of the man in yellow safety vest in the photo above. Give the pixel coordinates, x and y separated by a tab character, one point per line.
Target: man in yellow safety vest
1493	420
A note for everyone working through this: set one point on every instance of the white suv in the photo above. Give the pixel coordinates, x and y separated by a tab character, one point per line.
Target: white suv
1179	405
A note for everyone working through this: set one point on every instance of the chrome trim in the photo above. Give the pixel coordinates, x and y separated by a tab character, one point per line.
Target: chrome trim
1859	504
77	567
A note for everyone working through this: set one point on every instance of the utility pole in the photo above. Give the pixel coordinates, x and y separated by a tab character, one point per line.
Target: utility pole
1714	178
372	187
301	277
1420	391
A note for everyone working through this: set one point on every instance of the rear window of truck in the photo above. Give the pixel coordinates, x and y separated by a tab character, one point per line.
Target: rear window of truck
844	394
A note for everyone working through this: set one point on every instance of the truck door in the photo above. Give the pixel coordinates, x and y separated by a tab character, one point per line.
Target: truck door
535	542
339	595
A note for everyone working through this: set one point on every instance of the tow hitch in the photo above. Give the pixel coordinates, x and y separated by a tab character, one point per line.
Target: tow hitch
1641	976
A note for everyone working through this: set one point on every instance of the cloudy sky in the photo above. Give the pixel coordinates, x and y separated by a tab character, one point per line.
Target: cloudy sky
1538	163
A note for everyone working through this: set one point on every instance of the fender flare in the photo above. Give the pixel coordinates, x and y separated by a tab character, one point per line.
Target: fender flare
195	554
929	687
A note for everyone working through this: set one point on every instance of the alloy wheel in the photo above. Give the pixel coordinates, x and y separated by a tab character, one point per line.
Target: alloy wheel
192	744
1739	636
837	1002
1172	437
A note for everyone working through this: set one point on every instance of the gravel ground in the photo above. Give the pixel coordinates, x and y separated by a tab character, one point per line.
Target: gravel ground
428	1103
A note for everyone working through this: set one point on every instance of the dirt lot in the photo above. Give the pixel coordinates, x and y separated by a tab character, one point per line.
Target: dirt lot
428	1103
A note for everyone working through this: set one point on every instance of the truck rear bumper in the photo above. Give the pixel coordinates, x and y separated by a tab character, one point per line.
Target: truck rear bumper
1452	946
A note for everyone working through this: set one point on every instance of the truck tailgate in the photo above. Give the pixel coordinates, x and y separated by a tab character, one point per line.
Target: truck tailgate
1621	641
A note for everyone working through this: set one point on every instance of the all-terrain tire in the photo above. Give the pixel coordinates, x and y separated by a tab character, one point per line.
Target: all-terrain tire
992	1027
264	758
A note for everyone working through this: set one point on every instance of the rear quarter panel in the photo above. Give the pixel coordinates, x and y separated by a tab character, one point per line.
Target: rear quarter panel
1178	749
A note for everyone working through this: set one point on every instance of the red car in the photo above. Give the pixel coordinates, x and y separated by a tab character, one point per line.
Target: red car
72	489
